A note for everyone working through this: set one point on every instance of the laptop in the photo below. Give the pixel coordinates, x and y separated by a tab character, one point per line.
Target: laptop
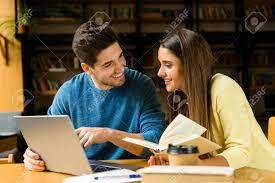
55	140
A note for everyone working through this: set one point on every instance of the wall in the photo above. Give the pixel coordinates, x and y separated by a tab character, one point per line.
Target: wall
11	83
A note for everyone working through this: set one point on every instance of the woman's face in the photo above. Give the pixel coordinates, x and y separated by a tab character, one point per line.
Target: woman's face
171	70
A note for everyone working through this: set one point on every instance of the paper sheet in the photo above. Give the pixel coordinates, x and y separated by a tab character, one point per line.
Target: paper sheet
182	125
90	178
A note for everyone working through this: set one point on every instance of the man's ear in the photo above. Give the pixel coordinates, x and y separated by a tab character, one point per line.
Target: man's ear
86	68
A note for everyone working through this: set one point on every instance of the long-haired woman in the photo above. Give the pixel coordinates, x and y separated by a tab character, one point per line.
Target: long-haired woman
216	102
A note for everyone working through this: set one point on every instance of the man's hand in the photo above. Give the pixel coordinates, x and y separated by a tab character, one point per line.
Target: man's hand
32	161
92	135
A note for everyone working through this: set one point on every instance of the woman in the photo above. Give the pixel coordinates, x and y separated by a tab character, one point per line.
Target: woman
214	101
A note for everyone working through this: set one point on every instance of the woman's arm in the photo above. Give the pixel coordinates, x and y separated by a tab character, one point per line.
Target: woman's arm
213	161
235	117
162	159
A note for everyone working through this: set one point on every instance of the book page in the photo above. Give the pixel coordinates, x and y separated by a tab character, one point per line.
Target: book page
182	131
177	139
143	143
204	145
182	125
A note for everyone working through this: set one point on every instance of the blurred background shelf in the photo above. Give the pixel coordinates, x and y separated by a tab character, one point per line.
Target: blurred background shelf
141	24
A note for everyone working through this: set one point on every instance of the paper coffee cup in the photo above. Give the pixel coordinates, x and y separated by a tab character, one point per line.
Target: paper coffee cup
182	155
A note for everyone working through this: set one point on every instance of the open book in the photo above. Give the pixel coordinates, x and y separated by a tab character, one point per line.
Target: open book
181	131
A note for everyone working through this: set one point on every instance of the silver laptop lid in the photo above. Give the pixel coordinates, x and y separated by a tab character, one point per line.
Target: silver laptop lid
55	140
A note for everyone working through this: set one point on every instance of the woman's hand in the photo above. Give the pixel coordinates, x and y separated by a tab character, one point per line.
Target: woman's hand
160	159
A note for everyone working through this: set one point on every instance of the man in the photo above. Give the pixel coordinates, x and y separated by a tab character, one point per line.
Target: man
107	102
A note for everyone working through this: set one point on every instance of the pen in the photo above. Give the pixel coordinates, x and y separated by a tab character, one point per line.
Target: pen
132	176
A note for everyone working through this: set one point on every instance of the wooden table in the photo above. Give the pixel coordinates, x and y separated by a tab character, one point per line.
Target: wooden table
16	173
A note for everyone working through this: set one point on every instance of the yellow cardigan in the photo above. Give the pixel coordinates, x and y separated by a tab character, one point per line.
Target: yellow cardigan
234	127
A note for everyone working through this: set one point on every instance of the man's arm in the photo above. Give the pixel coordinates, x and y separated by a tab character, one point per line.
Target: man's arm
151	123
93	135
151	126
116	137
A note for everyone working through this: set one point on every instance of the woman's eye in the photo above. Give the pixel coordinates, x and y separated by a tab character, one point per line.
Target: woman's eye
168	65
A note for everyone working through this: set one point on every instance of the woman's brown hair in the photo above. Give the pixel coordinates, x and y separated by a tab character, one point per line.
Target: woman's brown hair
197	60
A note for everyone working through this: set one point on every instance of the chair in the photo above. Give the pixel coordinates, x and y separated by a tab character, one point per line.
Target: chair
7	160
271	130
8	136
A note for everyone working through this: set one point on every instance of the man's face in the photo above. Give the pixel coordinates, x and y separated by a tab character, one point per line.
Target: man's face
108	71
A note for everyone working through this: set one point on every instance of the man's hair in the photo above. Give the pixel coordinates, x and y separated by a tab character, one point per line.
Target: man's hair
90	40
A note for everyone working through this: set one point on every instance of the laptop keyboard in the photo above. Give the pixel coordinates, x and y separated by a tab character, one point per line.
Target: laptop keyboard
102	168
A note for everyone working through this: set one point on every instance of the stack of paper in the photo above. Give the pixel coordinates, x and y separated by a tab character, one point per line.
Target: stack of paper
114	176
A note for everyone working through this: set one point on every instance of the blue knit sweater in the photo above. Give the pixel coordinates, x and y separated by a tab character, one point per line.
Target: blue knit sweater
132	107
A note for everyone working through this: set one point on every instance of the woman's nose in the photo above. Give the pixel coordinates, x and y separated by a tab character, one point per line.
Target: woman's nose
160	72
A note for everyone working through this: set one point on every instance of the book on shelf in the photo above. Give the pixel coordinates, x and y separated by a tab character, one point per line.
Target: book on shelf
123	13
216	12
181	131
262	79
45	63
157	13
151	13
267	10
45	85
227	59
263	59
56	12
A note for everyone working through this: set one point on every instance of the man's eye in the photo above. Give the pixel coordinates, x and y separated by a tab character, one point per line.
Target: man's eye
108	65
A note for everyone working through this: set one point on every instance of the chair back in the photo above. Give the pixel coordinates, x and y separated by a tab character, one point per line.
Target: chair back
271	130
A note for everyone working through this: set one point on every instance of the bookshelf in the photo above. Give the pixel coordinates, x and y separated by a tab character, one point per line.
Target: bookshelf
266	9
140	25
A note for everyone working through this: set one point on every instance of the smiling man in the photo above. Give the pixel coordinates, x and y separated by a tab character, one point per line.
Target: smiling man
106	102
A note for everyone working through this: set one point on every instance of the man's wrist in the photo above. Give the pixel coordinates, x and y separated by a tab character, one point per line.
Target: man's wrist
110	134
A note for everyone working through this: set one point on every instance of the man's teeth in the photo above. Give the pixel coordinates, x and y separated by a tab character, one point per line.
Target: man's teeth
119	75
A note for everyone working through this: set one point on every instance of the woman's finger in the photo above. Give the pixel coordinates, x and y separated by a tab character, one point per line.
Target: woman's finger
163	160
151	161
157	160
